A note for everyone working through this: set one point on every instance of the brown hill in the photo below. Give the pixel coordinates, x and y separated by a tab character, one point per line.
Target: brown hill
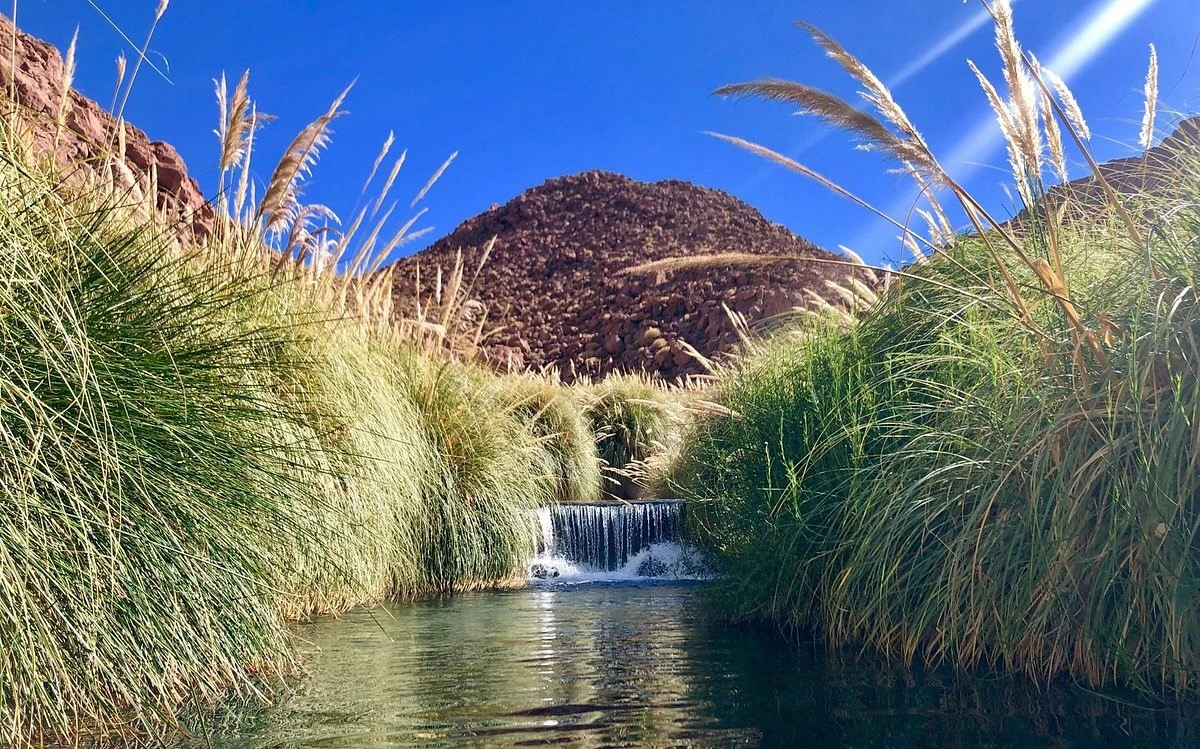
596	272
88	136
1157	172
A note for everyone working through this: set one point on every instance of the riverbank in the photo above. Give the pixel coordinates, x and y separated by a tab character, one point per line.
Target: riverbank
204	440
995	465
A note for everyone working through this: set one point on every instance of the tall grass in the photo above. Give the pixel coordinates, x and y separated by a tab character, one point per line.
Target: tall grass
202	441
141	475
996	466
563	432
477	510
635	421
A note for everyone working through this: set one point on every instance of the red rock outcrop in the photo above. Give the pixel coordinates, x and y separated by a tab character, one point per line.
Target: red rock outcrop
90	134
573	282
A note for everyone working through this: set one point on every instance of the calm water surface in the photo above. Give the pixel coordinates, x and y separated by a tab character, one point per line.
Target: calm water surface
624	666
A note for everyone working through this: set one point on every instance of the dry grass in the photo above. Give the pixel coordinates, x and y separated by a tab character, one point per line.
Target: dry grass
700	262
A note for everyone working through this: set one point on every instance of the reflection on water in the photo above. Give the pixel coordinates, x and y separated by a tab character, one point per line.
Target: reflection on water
636	666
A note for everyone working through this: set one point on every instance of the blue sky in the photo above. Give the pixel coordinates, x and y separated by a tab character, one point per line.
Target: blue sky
527	90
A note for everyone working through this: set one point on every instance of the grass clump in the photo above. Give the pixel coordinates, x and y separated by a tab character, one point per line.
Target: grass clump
203	439
635	422
197	447
919	483
996	466
563	433
475	524
140	475
369	454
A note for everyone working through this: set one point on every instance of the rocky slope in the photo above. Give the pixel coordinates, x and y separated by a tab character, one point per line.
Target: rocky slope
90	133
595	272
1154	172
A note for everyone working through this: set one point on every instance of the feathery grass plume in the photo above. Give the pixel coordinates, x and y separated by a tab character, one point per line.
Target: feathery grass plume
388	142
740	259
936	226
304	239
822	312
1110	193
64	96
368	259
708	364
348	236
812	174
280	199
234	121
828	107
159	11
880	96
1024	146
865	296
122	63
1071	108
1054	141
842	292
448	322
908	241
852	255
243	198
870	273
1010	129
941	230
1146	138
387	185
433	179
238	124
1022	95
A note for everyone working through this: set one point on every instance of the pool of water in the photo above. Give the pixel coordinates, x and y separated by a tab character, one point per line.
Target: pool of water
638	666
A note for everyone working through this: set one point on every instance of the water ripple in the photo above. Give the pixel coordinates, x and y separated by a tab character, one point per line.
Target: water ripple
591	666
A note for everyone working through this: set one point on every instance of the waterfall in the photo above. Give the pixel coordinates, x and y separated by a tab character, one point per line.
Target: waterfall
626	540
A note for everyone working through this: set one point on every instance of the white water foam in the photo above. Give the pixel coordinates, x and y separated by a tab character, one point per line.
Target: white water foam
657	562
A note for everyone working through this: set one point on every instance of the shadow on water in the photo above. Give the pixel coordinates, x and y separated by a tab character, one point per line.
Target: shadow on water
593	666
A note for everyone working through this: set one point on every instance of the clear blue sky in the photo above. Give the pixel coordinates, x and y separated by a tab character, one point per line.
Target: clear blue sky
529	90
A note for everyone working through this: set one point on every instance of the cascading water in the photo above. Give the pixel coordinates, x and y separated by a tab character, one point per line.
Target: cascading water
612	542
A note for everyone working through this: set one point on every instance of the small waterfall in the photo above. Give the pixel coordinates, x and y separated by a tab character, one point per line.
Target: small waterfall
606	537
611	541
545	531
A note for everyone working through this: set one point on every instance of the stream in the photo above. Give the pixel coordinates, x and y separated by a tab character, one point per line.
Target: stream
595	653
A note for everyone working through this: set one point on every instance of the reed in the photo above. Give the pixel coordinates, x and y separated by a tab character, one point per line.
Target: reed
635	421
994	466
204	439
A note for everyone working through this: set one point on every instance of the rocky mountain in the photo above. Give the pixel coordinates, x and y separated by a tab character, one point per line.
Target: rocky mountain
90	134
590	273
596	272
1154	172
